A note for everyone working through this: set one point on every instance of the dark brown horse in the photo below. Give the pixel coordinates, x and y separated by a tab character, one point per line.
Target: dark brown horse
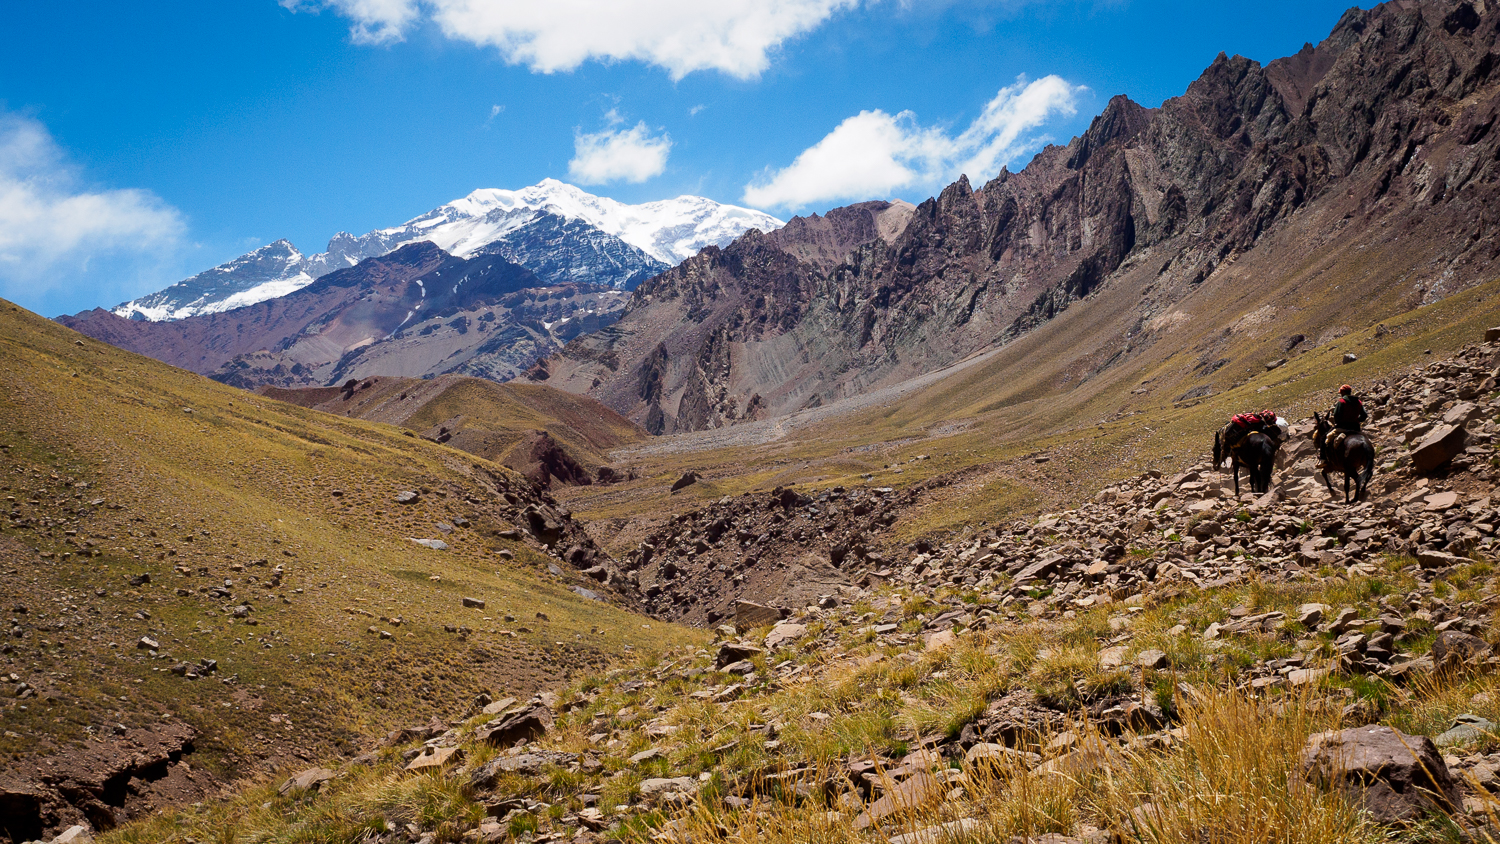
1355	457
1256	452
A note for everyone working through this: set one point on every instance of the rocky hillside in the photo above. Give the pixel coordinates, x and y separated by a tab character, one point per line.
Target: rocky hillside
202	584
1374	147
1162	663
416	311
547	435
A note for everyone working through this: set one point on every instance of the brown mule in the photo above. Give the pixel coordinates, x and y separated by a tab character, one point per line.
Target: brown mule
1256	452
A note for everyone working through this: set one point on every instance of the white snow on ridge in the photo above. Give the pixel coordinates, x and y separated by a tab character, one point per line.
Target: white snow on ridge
669	230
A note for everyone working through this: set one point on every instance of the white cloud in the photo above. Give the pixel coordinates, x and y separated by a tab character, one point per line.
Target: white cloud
682	36
48	219
375	21
618	155
875	153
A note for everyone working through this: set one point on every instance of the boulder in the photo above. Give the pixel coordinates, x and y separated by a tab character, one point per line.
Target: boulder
311	779
1311	615
526	764
1038	569
1437	448
963	829
647	755
1467	729
498	706
1452	648
748	614
407	497
1153	659
784	634
1396	777
657	786
1429	559
75	834
435	758
1462	413
1439	501
434	544
999	757
687	480
473	603
914	793
529	724
732	652
942	640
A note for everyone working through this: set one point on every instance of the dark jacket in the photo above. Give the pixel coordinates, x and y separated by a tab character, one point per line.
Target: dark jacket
1348	413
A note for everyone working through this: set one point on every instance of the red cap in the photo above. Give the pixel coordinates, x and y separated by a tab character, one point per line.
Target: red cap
1345	389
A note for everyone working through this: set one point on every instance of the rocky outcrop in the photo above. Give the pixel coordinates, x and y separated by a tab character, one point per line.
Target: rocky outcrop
1396	777
1386	126
542	460
125	775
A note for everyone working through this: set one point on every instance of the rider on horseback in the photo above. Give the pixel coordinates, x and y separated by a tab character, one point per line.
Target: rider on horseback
1347	415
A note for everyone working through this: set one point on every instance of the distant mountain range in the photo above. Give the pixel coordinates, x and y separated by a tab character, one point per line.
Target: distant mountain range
562	234
416	312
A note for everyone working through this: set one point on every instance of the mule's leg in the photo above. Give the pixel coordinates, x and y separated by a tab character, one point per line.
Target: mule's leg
1236	463
1328	482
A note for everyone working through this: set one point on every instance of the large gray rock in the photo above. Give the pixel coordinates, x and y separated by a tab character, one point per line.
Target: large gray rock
914	793
311	779
527	725
784	634
1396	777
526	764
1462	413
1437	448
1467	729
657	786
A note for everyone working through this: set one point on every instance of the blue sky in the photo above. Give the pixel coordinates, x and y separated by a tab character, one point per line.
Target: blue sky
143	142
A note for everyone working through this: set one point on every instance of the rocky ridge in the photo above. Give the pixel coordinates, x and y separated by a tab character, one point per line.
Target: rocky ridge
415	311
1377	139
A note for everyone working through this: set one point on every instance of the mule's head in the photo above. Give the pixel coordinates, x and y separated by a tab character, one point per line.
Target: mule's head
1320	435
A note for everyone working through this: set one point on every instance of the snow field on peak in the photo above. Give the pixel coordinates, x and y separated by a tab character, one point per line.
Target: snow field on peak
668	230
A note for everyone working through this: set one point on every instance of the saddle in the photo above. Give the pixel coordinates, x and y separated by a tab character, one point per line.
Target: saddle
1336	439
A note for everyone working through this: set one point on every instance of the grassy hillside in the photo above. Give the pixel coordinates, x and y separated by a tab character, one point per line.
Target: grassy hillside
1048	397
481	417
114	467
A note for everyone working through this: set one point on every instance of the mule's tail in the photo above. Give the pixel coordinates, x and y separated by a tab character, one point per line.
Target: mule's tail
1218	450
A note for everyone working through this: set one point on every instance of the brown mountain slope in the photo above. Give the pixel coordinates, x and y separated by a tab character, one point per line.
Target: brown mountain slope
539	431
417	311
200	583
1382	133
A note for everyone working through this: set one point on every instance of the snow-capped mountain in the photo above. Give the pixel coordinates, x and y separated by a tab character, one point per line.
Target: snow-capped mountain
561	233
